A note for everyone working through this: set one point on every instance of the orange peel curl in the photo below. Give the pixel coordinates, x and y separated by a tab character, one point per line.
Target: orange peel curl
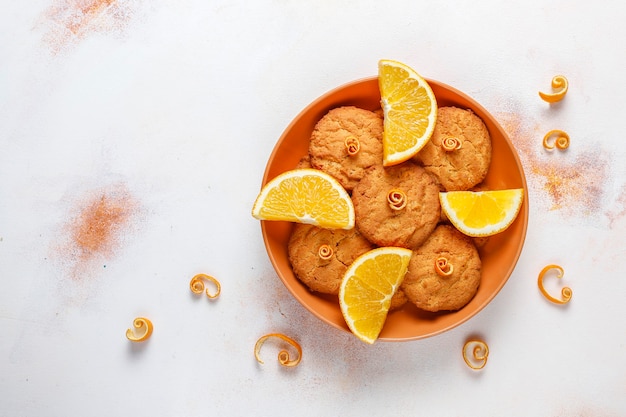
397	199
560	86
140	323
443	267
480	353
197	285
451	143
325	252
561	140
283	355
566	292
352	144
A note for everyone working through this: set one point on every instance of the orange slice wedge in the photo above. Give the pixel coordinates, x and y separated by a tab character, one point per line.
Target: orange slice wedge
305	196
482	213
410	111
367	287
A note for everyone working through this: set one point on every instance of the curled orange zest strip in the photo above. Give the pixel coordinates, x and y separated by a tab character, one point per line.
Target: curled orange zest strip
450	144
352	145
443	267
566	292
140	323
560	85
397	199
283	355
325	252
561	141
480	352
197	285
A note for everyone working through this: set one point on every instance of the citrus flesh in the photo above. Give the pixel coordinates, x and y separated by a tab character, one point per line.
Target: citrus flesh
482	213
410	111
367	287
305	196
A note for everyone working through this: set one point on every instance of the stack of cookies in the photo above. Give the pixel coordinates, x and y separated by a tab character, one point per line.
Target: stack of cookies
396	206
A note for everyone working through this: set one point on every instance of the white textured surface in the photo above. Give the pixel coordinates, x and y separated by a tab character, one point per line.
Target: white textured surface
176	105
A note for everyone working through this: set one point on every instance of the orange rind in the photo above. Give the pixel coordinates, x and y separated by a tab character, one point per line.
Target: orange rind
142	330
325	252
352	144
397	199
197	285
283	355
443	267
559	87
480	353
561	140
451	143
566	292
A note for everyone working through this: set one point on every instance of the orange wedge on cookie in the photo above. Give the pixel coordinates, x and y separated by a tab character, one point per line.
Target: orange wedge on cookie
367	287
305	196
482	213
410	111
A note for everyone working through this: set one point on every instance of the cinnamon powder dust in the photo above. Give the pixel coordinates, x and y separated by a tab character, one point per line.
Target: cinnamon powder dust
97	227
99	223
69	21
570	181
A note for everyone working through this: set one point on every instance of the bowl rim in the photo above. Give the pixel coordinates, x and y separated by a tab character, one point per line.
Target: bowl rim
524	212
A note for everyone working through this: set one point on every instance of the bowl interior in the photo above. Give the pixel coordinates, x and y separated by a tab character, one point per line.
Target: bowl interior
498	256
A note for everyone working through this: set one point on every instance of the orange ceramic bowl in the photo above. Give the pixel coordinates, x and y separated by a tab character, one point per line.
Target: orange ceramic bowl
499	255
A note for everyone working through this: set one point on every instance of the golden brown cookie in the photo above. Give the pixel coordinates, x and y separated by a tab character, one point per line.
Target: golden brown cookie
444	273
458	167
398	300
304	162
320	257
406	222
345	142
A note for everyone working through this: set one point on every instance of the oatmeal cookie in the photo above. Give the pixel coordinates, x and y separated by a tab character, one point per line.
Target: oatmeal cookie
345	142
304	162
398	300
463	168
387	224
324	273
458	278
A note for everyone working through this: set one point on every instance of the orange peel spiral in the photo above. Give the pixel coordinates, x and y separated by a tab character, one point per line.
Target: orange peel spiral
559	87
566	292
352	144
325	252
451	143
397	199
443	267
480	353
561	140
283	355
139	324
197	285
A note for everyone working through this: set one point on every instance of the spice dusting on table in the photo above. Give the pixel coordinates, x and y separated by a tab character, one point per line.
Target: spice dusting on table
97	225
571	183
67	21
